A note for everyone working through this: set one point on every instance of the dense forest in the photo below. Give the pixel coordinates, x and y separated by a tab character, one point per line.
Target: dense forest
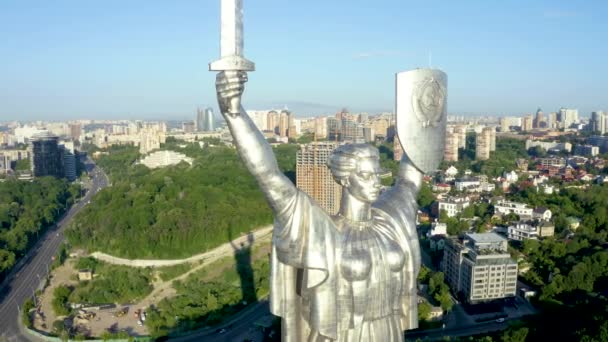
177	211
571	271
26	210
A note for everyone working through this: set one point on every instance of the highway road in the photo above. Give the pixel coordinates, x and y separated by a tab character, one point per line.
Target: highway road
31	270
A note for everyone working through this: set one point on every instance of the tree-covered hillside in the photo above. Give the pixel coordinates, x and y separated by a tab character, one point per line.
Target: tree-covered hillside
26	210
173	212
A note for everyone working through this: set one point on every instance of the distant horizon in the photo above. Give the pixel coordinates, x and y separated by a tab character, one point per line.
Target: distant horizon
167	117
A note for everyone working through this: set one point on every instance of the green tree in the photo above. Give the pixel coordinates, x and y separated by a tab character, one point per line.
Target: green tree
425	196
424	311
60	300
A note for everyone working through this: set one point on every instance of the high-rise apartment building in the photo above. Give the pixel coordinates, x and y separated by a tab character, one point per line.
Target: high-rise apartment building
205	120
552	120
504	124
188	126
313	176
346	129
483	143
527	123
539	121
479	267
47	156
285	122
69	160
598	122
492	138
567	117
461	132
451	145
272	121
75	131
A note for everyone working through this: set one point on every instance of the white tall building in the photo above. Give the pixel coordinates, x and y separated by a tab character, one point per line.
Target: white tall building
567	117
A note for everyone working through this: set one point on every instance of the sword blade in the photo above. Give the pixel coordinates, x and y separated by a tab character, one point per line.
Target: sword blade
231	36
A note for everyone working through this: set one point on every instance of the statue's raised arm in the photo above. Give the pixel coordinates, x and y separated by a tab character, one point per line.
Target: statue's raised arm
251	145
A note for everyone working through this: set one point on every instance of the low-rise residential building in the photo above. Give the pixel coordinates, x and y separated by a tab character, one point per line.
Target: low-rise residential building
451	173
530	230
546	163
165	158
507	207
438	228
452	205
442	187
466	183
542	213
479	267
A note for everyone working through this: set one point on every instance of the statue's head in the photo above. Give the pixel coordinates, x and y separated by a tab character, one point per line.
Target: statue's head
357	168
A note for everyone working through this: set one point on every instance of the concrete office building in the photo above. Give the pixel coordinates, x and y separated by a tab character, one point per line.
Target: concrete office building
479	268
313	176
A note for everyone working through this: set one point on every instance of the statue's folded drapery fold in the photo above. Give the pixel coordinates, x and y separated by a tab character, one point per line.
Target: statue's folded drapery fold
307	287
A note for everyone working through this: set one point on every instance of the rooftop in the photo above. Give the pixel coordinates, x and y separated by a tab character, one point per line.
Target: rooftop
486	237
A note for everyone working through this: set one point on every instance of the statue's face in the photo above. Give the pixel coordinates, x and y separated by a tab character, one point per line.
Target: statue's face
364	183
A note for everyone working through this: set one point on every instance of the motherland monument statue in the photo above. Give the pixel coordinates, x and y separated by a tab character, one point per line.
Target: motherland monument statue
351	276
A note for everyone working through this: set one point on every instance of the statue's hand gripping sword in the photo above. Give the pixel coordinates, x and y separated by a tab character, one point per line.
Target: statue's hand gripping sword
231	46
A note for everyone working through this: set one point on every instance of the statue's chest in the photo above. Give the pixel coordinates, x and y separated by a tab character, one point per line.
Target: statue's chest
368	255
370	266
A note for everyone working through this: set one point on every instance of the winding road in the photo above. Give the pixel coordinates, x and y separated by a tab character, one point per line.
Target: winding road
28	274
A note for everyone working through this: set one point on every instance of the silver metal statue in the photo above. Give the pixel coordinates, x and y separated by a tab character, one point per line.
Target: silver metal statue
349	277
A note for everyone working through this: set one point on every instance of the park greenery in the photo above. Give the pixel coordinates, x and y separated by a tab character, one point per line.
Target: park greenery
26	317
27	209
111	283
60	300
173	212
438	290
209	296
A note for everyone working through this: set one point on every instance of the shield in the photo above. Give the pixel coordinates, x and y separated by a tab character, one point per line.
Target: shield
421	115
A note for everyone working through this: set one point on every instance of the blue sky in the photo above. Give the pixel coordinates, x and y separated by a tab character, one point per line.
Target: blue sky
149	58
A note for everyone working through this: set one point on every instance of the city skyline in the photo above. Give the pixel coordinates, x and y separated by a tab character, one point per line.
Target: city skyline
70	60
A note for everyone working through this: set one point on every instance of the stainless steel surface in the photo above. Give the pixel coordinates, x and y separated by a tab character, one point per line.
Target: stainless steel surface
350	277
421	113
231	45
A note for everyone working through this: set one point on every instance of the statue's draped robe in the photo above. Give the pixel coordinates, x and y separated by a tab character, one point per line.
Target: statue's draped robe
315	294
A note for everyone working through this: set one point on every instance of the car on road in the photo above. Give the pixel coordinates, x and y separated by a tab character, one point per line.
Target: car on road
500	320
221	331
